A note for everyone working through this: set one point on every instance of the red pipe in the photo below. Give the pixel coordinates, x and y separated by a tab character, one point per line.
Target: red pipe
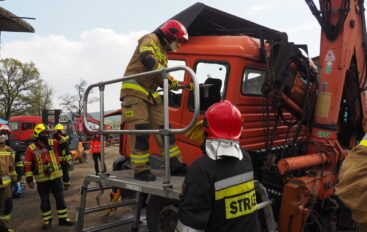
301	162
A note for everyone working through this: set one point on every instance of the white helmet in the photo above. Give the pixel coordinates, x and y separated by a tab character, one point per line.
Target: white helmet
4	136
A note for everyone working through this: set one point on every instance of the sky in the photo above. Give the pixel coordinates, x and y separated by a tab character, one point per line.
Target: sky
94	39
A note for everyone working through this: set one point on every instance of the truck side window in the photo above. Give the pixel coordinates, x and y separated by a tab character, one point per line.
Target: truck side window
176	96
14	126
252	82
27	126
213	74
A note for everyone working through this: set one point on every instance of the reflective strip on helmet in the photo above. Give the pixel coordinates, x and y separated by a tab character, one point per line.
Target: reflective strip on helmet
138	88
173	152
184	228
139	159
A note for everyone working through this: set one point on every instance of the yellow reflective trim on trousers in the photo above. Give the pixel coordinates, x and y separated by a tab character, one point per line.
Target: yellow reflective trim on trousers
46	213
138	88
234	190
240	205
139	159
47	218
62	211
5	217
28	174
14	173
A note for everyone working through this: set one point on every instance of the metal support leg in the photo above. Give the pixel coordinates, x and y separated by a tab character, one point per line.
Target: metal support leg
140	198
80	211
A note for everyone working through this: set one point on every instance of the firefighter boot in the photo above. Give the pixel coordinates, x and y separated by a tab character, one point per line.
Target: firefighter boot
145	176
177	168
46	224
65	222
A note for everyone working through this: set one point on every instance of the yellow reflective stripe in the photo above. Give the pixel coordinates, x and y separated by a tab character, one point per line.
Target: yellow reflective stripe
175	151
32	146
54	161
46	213
138	88
363	143
63	139
157	52
146	48
14	173
139	158
240	205
51	142
5	153
47	218
28	174
62	211
234	190
7	181
5	217
13	155
19	165
27	163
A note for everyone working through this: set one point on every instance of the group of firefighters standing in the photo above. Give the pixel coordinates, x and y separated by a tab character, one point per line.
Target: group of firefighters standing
46	162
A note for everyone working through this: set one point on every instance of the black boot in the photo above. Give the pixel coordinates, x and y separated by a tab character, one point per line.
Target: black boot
65	222
46	224
177	168
145	176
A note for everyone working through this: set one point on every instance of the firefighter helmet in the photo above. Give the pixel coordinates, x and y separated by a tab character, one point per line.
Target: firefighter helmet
4	127
59	126
223	120
173	30
40	128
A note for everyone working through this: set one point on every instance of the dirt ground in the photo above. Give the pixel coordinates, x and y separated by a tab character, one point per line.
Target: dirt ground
26	214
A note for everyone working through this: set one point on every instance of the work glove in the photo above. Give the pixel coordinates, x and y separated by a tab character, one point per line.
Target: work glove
196	134
189	86
174	85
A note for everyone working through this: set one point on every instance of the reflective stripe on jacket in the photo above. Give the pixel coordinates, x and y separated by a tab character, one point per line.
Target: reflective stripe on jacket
219	196
7	167
42	163
145	87
95	147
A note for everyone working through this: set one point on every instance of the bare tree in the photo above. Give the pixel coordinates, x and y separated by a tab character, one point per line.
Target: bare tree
16	82
74	103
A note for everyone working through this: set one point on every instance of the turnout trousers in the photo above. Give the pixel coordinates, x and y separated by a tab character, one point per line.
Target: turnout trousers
56	188
142	115
6	206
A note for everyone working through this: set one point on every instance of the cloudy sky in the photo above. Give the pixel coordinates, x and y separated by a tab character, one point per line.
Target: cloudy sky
94	39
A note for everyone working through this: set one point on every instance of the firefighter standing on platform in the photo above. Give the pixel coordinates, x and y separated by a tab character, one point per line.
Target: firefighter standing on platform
219	192
7	175
142	107
42	162
64	154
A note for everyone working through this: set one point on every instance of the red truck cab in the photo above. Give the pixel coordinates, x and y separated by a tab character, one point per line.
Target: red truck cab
22	131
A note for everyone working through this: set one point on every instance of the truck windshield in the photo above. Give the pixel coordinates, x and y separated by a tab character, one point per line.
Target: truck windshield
14	126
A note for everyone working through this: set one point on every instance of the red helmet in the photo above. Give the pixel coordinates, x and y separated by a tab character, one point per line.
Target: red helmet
4	127
173	30
223	121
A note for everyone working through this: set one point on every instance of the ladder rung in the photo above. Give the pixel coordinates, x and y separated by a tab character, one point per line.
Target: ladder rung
110	206
264	204
108	225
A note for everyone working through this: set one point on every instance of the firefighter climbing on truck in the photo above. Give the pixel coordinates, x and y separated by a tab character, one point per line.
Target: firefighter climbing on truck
142	108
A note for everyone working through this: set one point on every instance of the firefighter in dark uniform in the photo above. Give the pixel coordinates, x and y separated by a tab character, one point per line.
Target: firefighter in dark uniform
7	176
42	162
142	106
64	154
219	192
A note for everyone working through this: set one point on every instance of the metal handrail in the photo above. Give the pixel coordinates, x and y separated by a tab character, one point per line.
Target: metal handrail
166	131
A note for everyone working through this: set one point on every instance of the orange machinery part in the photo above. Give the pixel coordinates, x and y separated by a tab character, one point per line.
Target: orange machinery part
301	162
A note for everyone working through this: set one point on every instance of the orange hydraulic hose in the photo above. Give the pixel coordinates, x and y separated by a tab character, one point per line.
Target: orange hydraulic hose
301	162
